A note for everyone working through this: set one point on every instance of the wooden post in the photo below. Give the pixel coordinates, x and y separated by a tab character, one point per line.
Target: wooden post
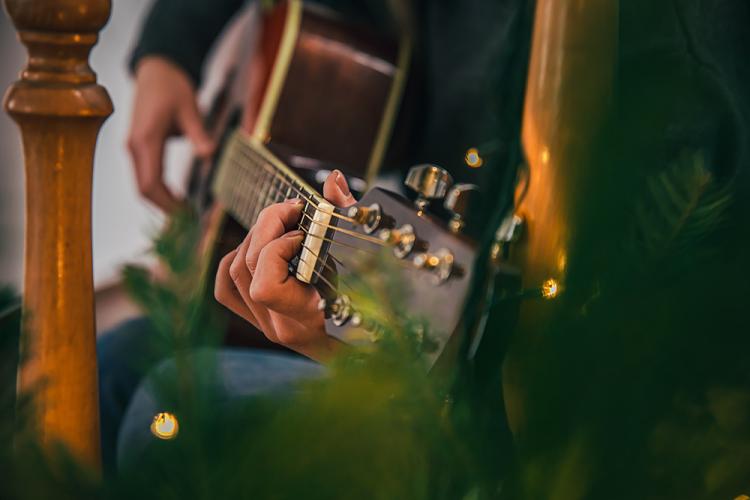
59	109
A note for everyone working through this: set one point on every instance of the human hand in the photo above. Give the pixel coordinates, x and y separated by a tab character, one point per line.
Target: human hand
165	104
253	281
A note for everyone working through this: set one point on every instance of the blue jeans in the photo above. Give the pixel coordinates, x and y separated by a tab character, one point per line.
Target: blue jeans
129	398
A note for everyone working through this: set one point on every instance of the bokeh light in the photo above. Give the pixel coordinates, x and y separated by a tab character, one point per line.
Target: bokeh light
165	426
473	159
550	289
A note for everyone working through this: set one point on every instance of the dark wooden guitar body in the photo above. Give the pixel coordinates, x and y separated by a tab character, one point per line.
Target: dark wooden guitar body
321	93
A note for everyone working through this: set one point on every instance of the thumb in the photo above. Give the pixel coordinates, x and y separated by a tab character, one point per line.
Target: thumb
336	190
191	125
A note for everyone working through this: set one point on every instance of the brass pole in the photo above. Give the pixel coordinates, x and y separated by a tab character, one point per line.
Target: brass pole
569	92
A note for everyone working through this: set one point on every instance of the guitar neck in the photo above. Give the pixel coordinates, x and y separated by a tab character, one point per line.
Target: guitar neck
250	177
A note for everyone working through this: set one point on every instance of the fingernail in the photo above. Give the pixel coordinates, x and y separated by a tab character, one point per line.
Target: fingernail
297	233
341	183
293	201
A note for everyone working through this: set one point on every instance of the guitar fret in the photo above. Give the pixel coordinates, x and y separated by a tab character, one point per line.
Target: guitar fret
244	186
260	193
305	222
247	187
249	206
234	192
249	179
276	189
267	191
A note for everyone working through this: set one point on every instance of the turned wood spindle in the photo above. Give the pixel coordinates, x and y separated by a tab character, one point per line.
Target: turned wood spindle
59	108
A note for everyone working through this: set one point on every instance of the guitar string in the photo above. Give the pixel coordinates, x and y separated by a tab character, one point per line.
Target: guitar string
320	275
290	184
323	238
275	191
337	261
258	160
334	242
312	202
265	163
316	255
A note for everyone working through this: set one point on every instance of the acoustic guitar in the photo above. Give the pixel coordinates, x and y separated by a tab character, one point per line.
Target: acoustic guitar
320	92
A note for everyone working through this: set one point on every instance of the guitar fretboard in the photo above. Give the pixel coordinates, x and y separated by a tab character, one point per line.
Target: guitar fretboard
250	178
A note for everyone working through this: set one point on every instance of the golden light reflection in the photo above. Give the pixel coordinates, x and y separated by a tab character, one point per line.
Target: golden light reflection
544	155
550	289
742	497
473	159
165	426
562	260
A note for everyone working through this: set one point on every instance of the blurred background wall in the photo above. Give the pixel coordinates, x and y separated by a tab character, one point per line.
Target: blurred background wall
122	222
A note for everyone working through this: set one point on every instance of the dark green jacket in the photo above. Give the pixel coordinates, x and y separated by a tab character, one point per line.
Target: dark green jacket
467	54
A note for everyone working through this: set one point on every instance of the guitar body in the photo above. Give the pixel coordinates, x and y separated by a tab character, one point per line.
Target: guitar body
320	93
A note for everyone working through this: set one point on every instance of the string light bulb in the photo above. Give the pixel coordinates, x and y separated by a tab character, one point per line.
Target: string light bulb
550	289
473	159
165	426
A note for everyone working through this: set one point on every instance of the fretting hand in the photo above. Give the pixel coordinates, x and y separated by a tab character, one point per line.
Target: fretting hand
253	281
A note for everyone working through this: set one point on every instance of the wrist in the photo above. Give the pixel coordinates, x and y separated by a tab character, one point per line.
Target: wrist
322	351
162	66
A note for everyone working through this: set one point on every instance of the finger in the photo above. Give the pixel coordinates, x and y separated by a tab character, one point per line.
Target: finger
227	294
336	190
242	280
146	152
273	222
275	288
190	122
303	336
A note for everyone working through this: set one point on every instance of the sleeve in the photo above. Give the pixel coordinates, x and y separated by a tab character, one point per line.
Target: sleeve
183	31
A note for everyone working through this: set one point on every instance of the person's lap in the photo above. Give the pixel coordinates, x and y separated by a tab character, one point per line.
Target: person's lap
129	401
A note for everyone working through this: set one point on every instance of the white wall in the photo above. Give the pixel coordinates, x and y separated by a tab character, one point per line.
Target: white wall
122	222
11	176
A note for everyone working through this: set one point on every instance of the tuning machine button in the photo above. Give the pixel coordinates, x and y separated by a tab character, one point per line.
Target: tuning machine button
402	239
460	201
369	217
440	264
510	229
430	182
339	310
374	331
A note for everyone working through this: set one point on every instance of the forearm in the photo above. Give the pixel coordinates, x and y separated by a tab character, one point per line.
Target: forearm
323	351
183	31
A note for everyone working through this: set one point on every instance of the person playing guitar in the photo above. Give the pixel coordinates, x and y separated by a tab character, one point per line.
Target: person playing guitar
456	116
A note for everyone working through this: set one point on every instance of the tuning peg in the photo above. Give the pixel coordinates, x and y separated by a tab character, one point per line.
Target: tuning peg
402	239
460	201
339	310
430	182
369	217
440	264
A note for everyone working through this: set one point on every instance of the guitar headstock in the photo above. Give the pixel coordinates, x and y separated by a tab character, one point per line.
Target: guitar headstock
386	262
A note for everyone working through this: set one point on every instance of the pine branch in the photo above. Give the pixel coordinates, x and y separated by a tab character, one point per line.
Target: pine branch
682	207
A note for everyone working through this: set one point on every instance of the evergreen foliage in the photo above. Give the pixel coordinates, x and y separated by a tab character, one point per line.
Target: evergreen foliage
634	384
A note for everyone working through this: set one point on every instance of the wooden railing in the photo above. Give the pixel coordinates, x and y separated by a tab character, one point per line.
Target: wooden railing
59	108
